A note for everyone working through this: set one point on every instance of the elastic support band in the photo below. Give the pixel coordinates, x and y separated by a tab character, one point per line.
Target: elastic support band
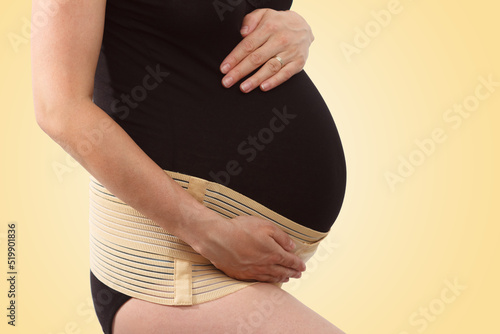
132	254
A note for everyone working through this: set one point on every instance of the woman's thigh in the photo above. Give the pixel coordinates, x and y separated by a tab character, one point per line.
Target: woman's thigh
259	308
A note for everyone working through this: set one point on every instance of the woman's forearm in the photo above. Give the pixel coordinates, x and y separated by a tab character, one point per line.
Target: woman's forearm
107	152
64	56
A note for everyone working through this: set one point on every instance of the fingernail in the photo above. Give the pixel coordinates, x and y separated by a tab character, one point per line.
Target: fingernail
244	30
264	86
292	245
225	68
227	81
245	86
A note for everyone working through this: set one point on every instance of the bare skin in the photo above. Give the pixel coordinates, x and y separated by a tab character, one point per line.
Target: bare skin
258	309
64	58
268	33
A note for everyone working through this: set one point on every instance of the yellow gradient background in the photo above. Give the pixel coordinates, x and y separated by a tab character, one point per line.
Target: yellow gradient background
392	253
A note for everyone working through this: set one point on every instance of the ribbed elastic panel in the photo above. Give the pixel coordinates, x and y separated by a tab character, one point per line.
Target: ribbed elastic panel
133	255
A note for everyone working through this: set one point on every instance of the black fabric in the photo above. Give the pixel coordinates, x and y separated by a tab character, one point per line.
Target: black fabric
106	301
275	4
158	77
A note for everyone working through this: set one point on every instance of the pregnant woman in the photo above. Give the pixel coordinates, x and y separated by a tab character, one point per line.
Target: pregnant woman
216	167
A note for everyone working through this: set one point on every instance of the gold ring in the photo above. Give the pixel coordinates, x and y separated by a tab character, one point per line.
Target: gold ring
279	59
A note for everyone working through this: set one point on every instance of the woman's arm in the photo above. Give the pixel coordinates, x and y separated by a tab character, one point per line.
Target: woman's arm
64	56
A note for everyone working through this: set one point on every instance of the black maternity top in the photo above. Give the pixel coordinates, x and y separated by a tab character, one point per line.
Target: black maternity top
158	77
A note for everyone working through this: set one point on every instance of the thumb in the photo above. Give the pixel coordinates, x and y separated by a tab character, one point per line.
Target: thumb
251	21
283	239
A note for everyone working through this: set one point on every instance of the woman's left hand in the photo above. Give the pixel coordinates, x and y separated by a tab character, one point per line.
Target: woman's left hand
268	33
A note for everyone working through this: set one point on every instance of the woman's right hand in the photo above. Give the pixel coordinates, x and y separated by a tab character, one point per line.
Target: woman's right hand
249	248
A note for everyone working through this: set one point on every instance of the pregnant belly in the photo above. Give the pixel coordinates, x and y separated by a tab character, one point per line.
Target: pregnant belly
280	148
158	77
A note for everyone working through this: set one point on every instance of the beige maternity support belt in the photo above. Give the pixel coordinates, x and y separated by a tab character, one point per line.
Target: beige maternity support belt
133	255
